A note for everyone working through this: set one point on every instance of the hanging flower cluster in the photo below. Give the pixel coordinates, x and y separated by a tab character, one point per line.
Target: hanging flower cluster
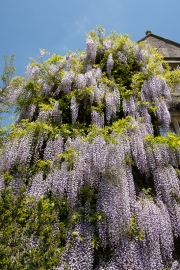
112	103
86	137
67	81
107	44
74	109
121	57
91	49
156	90
110	64
47	88
129	106
140	54
97	119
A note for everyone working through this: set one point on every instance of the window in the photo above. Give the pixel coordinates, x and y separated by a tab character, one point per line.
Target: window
164	132
174	126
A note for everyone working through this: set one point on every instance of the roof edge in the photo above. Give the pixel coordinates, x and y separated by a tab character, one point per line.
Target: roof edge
164	39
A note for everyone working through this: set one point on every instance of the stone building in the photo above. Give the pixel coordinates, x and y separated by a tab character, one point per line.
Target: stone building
168	48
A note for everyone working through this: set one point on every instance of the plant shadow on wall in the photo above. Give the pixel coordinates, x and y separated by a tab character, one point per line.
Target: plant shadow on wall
87	182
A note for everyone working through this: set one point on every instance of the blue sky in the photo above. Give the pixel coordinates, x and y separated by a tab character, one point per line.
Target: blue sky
59	26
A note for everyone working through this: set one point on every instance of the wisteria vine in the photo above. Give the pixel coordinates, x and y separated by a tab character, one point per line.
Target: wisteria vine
87	123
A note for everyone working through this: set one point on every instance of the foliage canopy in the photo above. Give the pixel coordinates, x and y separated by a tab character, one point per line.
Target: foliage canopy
87	182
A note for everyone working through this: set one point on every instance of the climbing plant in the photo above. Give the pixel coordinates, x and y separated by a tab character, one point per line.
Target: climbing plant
87	182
